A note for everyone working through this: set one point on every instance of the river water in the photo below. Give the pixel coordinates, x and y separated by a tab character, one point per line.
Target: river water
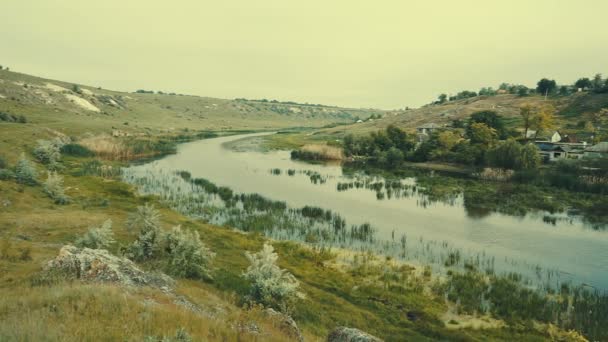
568	247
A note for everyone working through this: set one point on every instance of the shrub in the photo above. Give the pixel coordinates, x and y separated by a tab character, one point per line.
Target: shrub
7	117
6	174
53	186
25	172
147	245
187	256
48	152
97	237
3	163
144	218
270	285
76	150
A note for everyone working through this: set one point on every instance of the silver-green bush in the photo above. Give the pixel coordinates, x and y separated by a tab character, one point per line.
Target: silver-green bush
149	241
270	285
187	256
97	237
53	186
25	171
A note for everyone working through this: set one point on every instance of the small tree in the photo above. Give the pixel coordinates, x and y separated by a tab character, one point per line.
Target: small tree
527	113
97	237
25	172
546	86
394	157
270	285
583	83
53	186
187	255
442	98
530	157
148	243
76	89
480	133
597	83
145	217
544	119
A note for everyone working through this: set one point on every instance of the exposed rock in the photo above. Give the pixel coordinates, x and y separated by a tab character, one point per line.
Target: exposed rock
99	265
344	334
286	324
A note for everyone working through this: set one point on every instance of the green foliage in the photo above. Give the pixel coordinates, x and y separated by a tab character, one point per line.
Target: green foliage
76	150
465	94
583	83
25	171
7	117
53	187
3	163
482	134
270	285
512	155
186	255
487	91
491	119
48	152
97	237
146	219
546	86
76	89
377	145
467	290
6	174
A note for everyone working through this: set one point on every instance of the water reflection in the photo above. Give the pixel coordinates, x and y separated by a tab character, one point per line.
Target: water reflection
432	213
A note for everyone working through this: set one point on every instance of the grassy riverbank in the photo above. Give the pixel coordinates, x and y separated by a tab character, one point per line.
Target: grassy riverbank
386	298
357	294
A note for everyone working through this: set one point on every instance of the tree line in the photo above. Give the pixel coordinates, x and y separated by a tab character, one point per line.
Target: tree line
545	87
485	142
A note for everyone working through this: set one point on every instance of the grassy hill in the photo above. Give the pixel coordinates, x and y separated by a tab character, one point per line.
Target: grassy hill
73	108
570	111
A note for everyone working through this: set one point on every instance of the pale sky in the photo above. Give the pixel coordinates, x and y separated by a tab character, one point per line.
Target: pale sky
383	54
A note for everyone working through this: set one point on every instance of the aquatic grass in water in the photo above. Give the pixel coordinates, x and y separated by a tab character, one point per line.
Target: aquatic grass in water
544	297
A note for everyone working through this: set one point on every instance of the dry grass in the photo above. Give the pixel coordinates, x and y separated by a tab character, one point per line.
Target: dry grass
88	312
107	147
325	151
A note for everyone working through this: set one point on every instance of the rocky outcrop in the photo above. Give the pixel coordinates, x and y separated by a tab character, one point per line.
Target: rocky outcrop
286	324
100	266
344	334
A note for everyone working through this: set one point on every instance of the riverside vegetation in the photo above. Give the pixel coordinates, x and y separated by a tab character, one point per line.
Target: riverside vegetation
391	291
225	278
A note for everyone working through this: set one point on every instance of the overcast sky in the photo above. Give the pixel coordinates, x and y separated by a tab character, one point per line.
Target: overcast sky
385	54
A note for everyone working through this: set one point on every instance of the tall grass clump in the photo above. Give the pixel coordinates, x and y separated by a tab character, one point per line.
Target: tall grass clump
97	237
53	187
147	245
187	256
25	171
270	285
106	146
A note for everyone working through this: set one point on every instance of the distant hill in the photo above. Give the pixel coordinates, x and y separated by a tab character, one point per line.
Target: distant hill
571	110
73	107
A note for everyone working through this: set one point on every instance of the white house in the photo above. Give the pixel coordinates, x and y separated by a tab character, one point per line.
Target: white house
427	128
552	137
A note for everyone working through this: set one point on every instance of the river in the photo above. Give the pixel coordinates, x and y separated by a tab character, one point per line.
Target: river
568	247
